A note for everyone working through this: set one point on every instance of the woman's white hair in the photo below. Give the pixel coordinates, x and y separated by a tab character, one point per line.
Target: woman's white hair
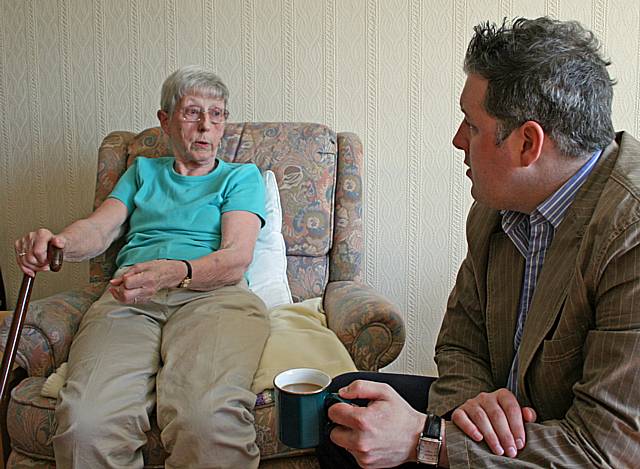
188	80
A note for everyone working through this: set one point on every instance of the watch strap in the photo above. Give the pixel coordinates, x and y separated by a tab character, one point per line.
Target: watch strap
432	426
430	441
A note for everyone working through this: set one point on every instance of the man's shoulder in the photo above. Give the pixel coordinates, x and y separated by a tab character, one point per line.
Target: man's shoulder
618	205
626	170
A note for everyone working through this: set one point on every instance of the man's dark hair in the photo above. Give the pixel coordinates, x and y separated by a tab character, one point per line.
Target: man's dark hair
547	71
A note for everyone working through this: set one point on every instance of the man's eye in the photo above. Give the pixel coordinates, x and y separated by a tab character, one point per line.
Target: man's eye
192	112
215	113
469	125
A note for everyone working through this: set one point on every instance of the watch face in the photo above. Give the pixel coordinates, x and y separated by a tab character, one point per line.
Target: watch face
185	283
428	451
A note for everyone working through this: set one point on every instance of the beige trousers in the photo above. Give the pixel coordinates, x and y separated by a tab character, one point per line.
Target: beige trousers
191	354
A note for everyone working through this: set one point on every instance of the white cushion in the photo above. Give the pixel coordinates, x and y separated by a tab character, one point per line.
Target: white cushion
268	271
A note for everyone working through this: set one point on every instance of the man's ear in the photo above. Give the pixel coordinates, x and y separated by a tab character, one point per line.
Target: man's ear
532	139
163	117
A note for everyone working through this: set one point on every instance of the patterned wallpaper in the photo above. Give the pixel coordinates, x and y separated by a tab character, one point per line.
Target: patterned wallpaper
389	70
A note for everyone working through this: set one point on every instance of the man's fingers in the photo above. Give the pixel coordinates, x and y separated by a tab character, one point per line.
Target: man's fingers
481	420
343	436
464	423
513	413
349	440
491	421
371	390
346	415
529	414
498	417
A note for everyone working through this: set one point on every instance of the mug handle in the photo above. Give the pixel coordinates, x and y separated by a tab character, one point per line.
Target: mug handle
329	400
334	398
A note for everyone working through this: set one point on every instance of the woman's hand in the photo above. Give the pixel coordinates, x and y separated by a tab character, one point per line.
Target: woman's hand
141	281
32	250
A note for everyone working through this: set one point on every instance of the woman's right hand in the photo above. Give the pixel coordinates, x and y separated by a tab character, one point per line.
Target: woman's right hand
31	250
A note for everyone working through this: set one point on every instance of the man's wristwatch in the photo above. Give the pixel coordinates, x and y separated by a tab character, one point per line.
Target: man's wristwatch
187	280
428	451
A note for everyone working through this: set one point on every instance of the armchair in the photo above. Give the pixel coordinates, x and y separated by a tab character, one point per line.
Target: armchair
319	175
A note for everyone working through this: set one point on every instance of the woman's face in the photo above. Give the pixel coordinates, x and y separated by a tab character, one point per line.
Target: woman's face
195	130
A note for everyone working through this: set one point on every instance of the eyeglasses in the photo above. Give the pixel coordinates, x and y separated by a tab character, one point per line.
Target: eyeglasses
195	114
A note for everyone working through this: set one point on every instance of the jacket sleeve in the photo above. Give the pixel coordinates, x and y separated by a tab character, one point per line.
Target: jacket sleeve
602	425
462	353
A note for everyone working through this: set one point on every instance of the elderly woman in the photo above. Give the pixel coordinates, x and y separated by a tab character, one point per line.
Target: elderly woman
177	328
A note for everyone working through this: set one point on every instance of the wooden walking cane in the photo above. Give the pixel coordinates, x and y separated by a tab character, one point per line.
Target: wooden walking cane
11	347
13	338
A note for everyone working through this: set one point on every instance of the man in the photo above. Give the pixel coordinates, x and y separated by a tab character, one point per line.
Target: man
177	328
538	355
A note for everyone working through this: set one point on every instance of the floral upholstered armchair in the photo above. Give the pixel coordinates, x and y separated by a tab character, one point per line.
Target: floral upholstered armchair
319	175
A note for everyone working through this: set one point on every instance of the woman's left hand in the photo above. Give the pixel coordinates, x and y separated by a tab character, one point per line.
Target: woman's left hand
141	281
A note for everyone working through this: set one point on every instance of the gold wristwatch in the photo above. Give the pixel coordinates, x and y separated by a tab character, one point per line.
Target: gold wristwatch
428	451
187	280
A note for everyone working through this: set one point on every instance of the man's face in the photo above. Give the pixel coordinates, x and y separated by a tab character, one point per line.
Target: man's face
491	166
194	143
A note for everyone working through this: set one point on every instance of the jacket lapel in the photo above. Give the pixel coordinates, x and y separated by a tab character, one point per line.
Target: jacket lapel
559	266
505	267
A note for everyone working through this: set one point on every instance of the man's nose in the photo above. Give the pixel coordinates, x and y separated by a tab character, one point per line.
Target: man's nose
459	140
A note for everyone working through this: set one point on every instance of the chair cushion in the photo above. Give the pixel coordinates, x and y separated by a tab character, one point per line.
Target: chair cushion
31	424
30	419
268	270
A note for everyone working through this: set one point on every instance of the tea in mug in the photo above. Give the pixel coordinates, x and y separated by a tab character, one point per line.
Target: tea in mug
302	387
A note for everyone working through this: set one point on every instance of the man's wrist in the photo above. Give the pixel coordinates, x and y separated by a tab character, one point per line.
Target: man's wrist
416	438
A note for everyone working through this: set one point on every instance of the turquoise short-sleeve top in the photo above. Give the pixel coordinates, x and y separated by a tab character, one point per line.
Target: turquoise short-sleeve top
172	216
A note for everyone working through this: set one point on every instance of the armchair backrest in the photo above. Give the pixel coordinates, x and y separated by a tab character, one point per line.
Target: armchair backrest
319	176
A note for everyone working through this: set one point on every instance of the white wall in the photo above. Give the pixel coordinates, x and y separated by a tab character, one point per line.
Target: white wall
389	70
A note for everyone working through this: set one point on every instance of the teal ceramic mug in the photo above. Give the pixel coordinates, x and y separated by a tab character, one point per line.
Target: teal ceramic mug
302	401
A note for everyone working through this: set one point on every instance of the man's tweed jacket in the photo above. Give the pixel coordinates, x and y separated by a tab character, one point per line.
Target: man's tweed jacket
580	352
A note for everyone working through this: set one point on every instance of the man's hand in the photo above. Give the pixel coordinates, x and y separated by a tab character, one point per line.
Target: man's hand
497	418
141	281
383	434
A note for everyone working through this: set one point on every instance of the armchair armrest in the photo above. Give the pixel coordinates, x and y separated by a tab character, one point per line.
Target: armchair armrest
369	326
49	328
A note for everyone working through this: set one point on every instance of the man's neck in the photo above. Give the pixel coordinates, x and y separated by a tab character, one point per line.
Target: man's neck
547	177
